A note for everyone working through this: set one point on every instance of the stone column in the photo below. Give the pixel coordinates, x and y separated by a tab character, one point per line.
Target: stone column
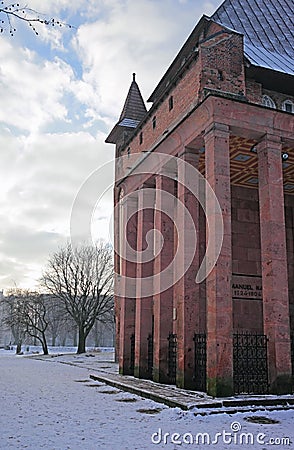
144	300
127	291
218	282
274	263
186	289
116	220
163	299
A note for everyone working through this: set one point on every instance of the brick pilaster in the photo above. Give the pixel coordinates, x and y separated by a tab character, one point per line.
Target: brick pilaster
144	288
274	263
218	282
163	299
186	289
128	236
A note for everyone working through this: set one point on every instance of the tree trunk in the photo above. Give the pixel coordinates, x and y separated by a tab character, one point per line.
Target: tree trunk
82	341
18	348
97	336
53	339
44	345
75	337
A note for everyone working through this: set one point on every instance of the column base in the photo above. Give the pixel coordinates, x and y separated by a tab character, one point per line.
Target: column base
160	376
283	384
184	381
142	372
125	370
220	387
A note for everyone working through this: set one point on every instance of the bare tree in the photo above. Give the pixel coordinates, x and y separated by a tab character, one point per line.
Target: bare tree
57	317
83	280
35	317
27	315
68	333
13	12
103	330
13	317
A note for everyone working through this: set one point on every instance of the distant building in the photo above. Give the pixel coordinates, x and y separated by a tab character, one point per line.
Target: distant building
225	106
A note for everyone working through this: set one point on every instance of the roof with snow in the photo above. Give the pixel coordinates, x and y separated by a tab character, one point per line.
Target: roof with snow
268	29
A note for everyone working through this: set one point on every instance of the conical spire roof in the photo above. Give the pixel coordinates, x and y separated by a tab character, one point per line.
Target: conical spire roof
134	110
134	107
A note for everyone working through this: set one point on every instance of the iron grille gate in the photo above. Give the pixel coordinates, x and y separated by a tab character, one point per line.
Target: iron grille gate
292	353
150	355
172	357
200	361
250	363
132	353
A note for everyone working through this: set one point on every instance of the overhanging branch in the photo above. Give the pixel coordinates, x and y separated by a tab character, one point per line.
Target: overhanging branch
25	14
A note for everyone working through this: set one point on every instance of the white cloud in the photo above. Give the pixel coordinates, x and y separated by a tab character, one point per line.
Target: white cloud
140	37
32	90
57	104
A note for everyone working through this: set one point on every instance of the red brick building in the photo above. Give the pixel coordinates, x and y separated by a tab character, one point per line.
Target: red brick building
225	107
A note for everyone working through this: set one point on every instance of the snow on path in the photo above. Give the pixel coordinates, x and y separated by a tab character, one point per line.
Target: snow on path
48	405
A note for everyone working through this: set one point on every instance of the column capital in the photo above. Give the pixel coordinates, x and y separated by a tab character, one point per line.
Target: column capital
130	200
146	197
167	171
269	140
216	128
150	183
187	151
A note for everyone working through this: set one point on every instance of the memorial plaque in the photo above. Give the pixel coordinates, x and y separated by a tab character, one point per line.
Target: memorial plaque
246	287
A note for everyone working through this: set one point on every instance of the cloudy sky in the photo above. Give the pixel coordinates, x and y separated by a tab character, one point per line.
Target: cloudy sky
61	93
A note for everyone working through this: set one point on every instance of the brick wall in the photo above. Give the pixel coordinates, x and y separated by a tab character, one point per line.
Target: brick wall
222	63
245	231
277	97
289	217
184	94
246	253
217	65
253	91
247	313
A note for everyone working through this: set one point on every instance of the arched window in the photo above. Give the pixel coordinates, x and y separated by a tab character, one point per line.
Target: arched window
268	101
288	106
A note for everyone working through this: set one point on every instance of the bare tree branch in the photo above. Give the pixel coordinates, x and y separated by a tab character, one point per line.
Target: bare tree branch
12	12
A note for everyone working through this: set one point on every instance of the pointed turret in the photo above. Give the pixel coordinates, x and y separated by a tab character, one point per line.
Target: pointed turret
133	112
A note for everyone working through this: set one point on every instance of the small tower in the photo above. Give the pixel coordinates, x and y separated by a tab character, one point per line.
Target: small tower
133	112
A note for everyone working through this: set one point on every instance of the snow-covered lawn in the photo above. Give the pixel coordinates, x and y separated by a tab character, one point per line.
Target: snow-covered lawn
52	405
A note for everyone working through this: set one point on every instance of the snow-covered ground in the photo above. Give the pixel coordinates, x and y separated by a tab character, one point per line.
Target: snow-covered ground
52	405
34	349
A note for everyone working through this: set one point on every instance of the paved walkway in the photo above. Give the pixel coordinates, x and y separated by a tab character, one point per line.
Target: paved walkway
103	368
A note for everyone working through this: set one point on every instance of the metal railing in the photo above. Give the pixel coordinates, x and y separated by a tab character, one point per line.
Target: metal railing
250	363
132	353
200	361
172	357
150	354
